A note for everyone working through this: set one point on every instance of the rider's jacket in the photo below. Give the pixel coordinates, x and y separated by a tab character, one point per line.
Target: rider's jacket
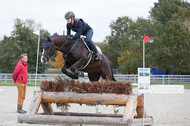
80	27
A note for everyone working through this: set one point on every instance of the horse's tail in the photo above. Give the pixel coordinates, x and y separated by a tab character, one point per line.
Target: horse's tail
113	79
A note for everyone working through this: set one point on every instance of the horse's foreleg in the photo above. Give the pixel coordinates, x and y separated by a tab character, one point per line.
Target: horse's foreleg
69	74
77	64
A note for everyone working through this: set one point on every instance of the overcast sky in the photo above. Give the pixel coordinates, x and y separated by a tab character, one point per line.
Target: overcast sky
50	13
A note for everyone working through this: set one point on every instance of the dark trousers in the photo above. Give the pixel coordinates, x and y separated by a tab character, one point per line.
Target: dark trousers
89	35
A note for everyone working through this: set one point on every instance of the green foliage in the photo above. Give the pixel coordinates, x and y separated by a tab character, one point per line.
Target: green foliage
172	39
22	40
114	42
168	26
124	46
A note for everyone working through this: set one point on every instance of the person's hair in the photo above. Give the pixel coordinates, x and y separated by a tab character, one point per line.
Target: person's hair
23	54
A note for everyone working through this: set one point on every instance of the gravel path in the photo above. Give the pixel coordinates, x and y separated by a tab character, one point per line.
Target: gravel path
166	109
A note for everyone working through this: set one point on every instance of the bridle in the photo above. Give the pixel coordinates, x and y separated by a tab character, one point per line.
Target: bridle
50	44
46	45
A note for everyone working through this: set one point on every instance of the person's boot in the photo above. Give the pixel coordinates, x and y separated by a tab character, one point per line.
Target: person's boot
20	110
94	49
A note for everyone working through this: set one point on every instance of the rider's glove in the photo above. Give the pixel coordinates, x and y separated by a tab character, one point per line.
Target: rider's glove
70	37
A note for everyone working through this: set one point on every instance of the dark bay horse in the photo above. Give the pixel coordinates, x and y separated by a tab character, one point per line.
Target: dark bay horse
77	57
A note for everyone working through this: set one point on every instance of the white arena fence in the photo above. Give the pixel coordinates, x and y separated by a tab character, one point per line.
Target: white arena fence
155	79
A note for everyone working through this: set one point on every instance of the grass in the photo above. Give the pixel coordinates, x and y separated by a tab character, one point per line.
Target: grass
10	83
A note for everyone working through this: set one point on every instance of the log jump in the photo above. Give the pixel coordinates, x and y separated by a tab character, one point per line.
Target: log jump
133	103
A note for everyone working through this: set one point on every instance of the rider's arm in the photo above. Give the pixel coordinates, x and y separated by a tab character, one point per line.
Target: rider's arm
68	30
79	30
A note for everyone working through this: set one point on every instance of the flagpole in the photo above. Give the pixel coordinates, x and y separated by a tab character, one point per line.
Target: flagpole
37	59
143	54
144	76
145	40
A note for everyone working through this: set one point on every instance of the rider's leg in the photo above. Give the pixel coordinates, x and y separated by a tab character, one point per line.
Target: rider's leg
91	44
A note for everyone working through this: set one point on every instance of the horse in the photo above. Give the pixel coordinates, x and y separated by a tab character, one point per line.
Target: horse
78	57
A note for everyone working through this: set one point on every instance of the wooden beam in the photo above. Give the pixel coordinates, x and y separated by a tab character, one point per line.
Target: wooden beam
88	114
140	106
70	120
35	103
130	108
48	110
88	98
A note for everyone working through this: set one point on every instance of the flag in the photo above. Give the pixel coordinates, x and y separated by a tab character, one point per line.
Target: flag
146	39
37	32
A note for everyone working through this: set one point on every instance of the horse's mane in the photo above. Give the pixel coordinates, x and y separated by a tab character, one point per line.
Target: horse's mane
55	35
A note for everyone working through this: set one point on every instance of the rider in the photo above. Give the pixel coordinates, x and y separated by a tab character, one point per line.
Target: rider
81	28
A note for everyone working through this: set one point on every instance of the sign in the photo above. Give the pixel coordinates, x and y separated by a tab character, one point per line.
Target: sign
143	79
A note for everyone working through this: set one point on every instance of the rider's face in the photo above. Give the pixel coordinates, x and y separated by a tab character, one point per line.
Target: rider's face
69	20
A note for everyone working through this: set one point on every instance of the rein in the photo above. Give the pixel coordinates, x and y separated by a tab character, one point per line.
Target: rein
62	45
65	55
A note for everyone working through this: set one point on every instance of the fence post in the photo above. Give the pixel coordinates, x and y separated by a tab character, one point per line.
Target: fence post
40	77
180	79
135	79
5	79
168	79
163	80
29	78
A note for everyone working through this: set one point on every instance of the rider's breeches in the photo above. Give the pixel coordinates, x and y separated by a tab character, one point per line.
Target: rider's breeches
89	35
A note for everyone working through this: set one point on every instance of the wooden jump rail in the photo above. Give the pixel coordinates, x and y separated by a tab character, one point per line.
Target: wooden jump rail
133	103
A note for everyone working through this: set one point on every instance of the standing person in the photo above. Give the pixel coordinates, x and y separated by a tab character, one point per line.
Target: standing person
81	28
20	77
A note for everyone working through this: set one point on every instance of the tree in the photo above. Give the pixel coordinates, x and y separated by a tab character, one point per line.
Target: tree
172	39
164	9
131	57
168	26
113	43
22	40
59	61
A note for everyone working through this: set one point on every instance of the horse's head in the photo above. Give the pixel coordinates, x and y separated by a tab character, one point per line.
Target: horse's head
48	49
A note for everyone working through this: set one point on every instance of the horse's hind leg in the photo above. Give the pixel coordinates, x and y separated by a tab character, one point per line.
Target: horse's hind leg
106	72
94	76
107	76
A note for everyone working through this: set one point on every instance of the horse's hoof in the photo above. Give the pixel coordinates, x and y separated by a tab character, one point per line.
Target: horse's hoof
81	74
63	71
75	76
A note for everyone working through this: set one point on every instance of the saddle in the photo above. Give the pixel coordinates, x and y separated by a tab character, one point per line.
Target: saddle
89	55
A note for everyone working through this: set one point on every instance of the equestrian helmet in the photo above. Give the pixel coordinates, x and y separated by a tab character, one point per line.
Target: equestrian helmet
69	14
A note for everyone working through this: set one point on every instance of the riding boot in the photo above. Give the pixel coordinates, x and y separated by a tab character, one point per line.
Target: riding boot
20	110
94	49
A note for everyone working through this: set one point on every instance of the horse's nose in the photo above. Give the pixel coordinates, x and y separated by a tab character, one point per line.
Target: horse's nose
43	60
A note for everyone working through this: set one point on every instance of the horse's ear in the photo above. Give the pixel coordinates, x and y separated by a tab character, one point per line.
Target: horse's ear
49	39
42	39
